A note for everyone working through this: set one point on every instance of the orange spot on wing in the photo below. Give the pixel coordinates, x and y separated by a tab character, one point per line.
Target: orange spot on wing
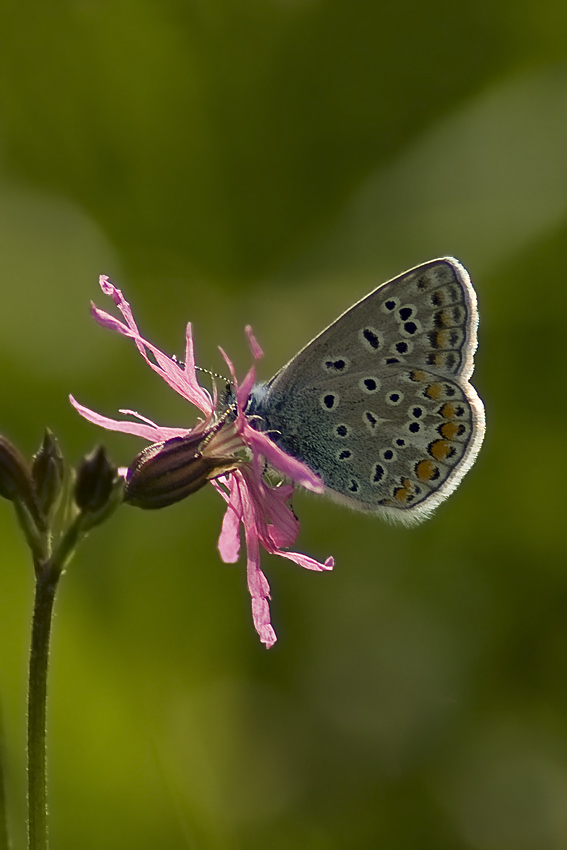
418	375
439	449
434	391
426	470
403	494
450	430
448	411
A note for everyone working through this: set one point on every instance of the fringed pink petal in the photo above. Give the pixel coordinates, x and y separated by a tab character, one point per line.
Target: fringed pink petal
277	524
305	561
277	538
245	388
106	320
279	513
116	294
229	363
164	431
182	380
257	582
255	348
207	405
283	527
145	428
290	466
229	538
241	388
109	289
219	484
203	399
148	432
127	412
261	620
185	384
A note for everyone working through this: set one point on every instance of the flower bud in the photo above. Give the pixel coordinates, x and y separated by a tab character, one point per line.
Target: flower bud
15	478
48	469
167	472
96	477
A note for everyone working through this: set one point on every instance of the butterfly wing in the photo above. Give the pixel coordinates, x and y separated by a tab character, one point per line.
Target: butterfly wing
379	404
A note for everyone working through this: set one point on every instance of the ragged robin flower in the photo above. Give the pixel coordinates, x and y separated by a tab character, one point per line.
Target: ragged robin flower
223	448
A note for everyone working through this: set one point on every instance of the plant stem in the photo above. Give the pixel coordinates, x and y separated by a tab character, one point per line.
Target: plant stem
47	578
4	835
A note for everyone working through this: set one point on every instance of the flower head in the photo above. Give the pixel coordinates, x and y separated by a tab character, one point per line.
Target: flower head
224	448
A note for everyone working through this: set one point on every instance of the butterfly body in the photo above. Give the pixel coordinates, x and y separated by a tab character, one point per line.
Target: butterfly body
379	404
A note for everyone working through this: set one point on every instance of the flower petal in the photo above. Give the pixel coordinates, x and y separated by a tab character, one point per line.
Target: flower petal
290	466
255	348
229	539
284	525
257	581
148	432
106	320
305	561
145	429
182	380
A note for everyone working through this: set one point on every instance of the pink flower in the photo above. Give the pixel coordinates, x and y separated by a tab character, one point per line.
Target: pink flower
223	448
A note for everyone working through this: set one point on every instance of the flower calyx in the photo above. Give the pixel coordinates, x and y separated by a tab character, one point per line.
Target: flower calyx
166	472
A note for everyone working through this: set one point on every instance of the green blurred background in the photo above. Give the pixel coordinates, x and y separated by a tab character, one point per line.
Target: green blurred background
271	161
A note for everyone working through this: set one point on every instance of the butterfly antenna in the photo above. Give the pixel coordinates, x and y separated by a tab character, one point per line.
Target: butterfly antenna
212	376
181	363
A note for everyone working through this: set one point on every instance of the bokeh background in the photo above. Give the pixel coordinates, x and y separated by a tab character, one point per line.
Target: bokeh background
271	161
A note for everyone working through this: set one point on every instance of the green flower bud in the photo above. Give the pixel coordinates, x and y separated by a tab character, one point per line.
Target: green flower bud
15	478
95	481
48	471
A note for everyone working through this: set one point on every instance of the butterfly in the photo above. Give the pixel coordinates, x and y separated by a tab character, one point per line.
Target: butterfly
380	404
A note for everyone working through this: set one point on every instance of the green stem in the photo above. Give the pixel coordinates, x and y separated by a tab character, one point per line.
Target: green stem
47	577
4	835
